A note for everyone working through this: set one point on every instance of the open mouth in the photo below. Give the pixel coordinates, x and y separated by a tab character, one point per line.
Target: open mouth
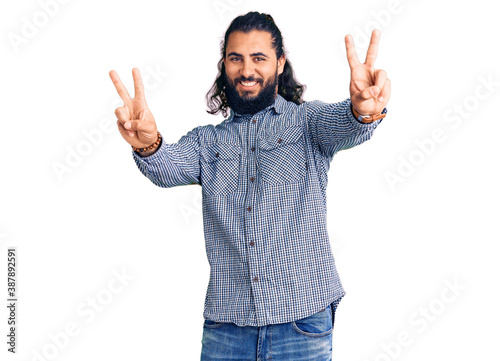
248	85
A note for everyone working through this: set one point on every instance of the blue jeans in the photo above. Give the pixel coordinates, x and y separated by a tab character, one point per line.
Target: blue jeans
307	339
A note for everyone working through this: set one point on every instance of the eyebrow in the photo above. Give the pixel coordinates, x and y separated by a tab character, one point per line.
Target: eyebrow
253	54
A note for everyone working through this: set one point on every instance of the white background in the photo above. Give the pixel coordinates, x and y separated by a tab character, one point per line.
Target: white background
397	247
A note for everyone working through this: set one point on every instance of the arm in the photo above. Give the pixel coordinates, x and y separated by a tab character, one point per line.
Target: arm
174	164
166	165
334	128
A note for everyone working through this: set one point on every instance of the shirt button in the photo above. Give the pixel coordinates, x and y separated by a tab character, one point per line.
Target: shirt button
217	154
255	279
251	243
279	140
252	179
249	208
252	149
254	120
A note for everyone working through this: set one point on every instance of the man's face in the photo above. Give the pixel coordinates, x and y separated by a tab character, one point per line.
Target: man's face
251	69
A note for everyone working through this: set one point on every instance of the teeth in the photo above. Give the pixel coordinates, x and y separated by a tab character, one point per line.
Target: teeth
248	83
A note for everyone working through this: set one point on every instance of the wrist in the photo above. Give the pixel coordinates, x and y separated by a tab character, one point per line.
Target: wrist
367	118
150	149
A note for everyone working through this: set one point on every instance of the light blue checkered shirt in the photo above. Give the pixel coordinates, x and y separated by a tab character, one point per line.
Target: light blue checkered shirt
264	181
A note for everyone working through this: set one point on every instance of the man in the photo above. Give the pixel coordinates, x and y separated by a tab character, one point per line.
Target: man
273	288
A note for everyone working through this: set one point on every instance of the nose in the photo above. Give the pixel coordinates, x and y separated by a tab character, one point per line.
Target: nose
247	69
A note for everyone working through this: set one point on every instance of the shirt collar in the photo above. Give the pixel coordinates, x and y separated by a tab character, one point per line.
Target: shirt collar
278	105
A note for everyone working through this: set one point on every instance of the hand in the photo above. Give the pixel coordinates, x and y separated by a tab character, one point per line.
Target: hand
135	122
370	88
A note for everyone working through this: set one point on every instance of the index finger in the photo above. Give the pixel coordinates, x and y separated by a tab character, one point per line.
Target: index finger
120	88
371	54
138	86
352	57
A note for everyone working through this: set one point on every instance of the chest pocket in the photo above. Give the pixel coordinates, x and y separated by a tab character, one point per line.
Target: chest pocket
220	166
282	157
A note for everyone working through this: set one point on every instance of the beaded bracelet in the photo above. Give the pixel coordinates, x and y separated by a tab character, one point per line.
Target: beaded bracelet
151	147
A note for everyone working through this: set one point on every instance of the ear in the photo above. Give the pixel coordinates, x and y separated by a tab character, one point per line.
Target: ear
281	64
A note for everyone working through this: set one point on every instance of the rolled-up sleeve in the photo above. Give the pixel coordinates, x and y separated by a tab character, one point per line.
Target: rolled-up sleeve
173	164
333	126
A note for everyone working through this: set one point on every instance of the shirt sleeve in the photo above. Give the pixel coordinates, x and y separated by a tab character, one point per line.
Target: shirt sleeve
334	128
173	164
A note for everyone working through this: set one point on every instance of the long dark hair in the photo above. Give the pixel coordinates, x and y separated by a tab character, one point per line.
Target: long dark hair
288	87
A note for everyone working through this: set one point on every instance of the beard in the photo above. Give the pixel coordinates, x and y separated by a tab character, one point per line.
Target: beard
246	104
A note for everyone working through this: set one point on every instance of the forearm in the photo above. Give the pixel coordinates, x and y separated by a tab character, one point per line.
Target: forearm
171	165
333	126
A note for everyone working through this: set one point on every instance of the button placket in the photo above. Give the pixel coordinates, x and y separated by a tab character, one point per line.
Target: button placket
254	121
252	178
251	197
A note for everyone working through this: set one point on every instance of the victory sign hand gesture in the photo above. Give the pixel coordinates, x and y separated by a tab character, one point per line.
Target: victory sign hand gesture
370	89
135	122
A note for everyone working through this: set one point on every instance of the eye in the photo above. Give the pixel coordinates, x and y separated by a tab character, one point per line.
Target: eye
235	59
259	58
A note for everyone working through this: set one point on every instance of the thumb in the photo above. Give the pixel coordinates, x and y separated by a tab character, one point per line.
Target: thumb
370	92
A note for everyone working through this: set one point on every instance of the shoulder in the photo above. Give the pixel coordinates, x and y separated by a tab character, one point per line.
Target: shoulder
282	105
318	108
308	108
223	132
314	106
